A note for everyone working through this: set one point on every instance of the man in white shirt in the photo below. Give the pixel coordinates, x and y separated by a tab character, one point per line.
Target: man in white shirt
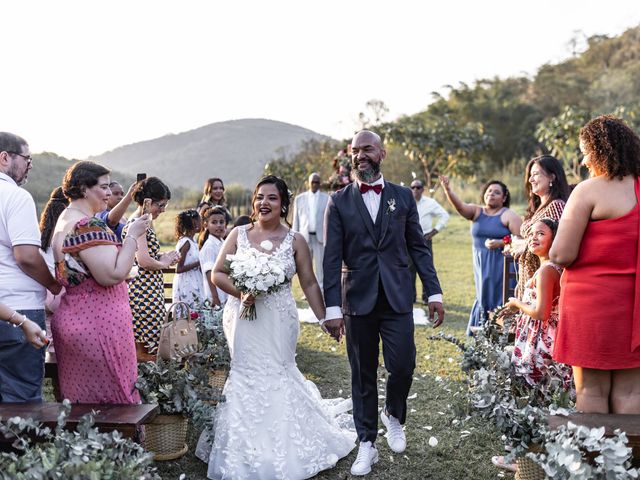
308	219
23	276
428	209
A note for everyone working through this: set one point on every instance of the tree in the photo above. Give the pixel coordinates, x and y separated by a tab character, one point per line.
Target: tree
440	144
376	111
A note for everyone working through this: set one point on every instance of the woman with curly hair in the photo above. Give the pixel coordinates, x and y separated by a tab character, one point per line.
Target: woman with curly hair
597	243
547	192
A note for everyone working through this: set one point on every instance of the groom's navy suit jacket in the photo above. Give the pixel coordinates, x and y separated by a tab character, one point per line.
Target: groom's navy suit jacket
360	255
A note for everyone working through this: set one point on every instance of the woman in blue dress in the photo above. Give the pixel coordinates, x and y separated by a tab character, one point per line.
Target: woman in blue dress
490	224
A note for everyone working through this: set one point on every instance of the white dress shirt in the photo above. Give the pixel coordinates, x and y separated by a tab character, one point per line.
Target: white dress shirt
428	208
313	206
372	202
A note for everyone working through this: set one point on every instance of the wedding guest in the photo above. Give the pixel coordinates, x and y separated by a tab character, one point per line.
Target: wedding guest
547	191
187	282
536	325
597	243
242	220
308	219
52	210
428	209
491	222
113	216
210	241
23	278
92	327
146	289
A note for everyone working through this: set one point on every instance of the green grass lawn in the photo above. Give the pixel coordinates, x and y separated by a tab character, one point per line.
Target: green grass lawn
465	445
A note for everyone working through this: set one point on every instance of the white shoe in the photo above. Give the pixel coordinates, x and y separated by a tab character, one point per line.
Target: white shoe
396	438
367	456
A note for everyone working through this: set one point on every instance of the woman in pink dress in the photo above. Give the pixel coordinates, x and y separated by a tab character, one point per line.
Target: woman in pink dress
92	328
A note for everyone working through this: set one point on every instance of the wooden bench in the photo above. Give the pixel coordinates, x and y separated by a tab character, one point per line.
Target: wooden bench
630	424
124	418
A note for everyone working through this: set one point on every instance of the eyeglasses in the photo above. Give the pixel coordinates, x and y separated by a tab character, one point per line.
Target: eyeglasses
315	181
162	205
27	158
416	188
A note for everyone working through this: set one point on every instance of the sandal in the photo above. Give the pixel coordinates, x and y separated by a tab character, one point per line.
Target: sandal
498	461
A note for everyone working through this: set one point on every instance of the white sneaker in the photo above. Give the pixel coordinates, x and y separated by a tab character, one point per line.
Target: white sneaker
396	438
367	456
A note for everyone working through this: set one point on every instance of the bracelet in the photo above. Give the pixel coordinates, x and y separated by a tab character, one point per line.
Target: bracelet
131	238
18	325
11	317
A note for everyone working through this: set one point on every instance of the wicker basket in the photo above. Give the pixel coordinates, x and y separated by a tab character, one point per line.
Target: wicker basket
529	470
217	378
166	437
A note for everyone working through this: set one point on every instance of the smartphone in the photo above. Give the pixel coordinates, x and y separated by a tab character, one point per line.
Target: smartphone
140	177
146	206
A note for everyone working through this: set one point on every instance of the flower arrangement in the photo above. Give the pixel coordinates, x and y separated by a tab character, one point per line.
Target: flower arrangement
254	272
391	206
83	453
506	240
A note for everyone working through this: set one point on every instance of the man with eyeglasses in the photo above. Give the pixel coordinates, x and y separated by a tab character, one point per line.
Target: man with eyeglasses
428	209
308	219
23	278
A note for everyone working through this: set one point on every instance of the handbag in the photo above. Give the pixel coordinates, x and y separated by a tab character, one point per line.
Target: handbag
178	335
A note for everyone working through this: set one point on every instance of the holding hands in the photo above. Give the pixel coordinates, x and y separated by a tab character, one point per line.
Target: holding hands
335	328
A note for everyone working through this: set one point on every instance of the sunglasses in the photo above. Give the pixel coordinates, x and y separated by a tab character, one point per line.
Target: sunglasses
417	188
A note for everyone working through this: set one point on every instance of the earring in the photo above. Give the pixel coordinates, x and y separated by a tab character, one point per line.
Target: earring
551	184
283	210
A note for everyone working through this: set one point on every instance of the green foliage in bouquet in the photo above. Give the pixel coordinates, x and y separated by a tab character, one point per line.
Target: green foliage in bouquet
81	454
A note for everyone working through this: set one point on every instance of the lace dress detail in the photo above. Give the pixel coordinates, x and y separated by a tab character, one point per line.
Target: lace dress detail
274	423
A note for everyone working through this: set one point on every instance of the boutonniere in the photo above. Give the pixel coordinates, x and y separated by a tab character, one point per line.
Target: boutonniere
391	206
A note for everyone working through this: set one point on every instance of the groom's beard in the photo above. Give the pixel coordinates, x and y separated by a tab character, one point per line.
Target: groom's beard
369	175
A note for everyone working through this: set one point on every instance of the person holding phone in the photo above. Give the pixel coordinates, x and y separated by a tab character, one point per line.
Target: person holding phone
146	290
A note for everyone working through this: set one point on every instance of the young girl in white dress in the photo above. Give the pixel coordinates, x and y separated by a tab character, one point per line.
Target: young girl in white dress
210	242
187	283
273	424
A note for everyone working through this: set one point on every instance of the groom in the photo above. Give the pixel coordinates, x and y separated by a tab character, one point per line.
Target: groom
371	229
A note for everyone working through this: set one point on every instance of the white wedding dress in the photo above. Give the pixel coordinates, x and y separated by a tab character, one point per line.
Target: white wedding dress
273	423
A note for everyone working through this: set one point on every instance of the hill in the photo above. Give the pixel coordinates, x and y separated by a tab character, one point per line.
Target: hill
235	151
47	173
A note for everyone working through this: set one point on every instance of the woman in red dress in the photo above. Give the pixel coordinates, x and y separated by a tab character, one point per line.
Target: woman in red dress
597	241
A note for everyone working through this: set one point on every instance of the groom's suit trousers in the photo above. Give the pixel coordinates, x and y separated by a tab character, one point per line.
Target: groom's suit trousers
399	352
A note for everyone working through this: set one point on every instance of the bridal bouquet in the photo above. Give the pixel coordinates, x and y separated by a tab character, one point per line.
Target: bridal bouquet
255	273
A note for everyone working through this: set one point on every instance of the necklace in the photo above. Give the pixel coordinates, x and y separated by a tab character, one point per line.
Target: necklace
79	210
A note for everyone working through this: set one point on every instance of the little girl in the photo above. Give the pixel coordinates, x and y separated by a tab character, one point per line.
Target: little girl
187	283
210	242
536	326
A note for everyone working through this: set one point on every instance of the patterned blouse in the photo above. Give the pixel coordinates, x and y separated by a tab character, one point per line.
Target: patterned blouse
528	263
88	232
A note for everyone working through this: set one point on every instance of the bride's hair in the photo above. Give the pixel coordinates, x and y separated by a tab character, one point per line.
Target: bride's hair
283	191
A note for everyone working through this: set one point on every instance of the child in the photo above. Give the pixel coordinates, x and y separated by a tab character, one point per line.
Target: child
538	320
214	228
536	325
187	284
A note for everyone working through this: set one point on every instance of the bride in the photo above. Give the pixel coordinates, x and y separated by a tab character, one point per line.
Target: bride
273	423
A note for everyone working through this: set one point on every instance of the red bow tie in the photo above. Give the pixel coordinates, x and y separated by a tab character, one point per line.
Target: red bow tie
364	188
